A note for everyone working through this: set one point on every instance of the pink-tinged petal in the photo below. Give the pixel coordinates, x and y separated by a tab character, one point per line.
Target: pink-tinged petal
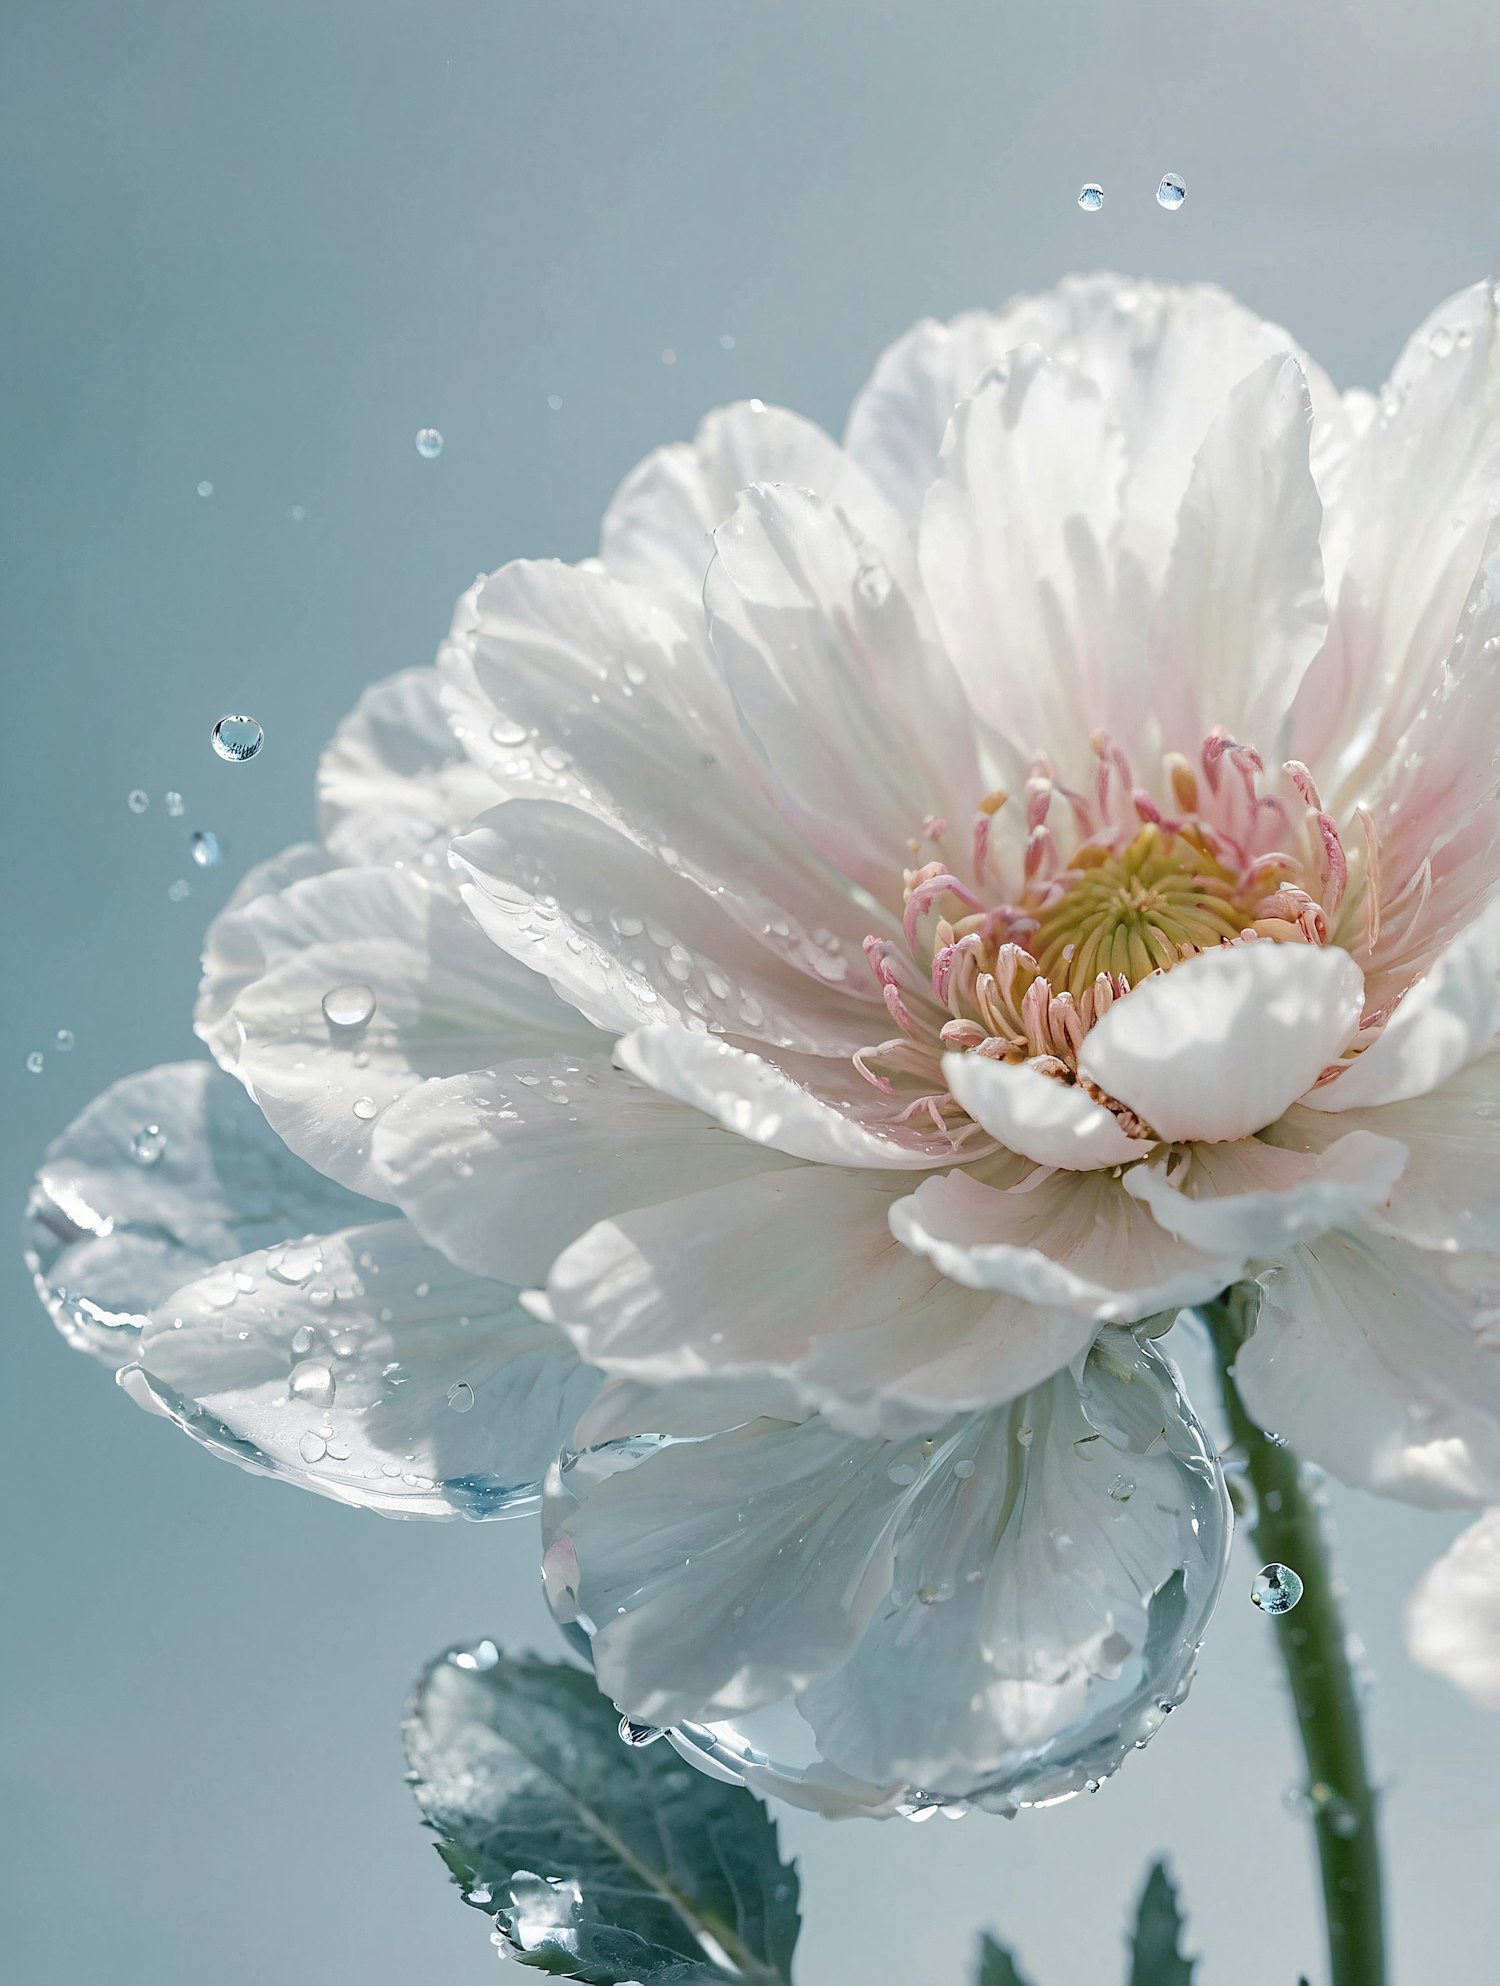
1379	1361
570	685
756	1100
502	1167
1054	1123
859	722
1447	1019
1221	1044
1258	1199
1242	611
1075	1239
1012	548
795	1277
395	783
629	942
1453	1615
658	529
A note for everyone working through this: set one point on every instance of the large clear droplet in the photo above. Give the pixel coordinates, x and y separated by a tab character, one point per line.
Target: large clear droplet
148	1144
365	1107
206	848
64	1040
429	443
1276	1589
461	1397
238	739
137	801
348	1006
313	1382
1091	197
1171	193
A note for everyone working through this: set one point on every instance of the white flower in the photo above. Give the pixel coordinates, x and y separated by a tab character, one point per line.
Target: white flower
1453	1617
913	908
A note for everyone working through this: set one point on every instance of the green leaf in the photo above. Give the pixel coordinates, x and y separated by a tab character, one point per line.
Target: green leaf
598	1861
1156	1958
996	1966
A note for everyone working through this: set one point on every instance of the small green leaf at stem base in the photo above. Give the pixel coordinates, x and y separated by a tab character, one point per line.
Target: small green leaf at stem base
1156	1955
996	1966
597	1861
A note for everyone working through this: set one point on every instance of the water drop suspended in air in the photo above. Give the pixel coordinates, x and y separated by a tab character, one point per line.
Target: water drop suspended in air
173	803
205	488
148	1144
178	890
429	443
461	1397
64	1040
137	801
36	1061
313	1382
483	1655
1091	197
1171	193
207	849
348	1006
637	1736
237	739
1276	1589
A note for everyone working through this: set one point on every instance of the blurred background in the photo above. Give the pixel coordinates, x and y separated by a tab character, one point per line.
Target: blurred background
247	249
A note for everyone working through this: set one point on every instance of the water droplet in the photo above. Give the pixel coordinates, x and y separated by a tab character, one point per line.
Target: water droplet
429	443
64	1040
137	801
461	1397
237	738
1122	1489
313	1382
302	1340
637	1736
206	848
963	1470
726	341
504	732
297	512
1091	197
365	1107
874	584
312	1447
902	1474
554	401
1171	193
668	357
148	1144
348	1006
297	1261
173	803
1276	1589
1025	1436
178	890
483	1655
205	488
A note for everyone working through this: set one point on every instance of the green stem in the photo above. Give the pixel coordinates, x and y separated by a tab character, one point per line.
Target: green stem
1290	1527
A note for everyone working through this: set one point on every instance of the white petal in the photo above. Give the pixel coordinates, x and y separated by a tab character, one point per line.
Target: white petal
861	726
1453	1616
445	1001
756	1100
1242	611
1075	1239
502	1167
630	943
1221	1044
394	783
658	528
1256	1199
290	865
1381	1362
1051	1122
1449	1017
166	1174
795	1276
1026	497
364	1366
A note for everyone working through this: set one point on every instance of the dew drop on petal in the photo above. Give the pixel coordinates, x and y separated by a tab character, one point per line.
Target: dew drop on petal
365	1107
137	801
64	1040
637	1736
148	1144
206	848
1171	193
429	443
237	738
36	1062
173	803
302	1340
312	1447
297	1261
1276	1589
348	1006
1122	1489
313	1382
461	1397
1091	197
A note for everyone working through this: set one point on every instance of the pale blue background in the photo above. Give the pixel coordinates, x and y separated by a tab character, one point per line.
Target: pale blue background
261	242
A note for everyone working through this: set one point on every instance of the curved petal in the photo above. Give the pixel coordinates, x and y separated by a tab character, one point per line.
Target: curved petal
1256	1199
1224	1042
1242	611
444	1001
988	1613
629	943
1054	1123
501	1168
795	1276
394	783
364	1366
1075	1239
289	865
1381	1362
1453	1615
659	526
166	1174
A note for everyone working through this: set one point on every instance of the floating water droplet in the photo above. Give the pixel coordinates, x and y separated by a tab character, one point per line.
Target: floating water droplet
429	443
178	890
297	513
64	1040
365	1107
1091	197
313	1382
312	1447
461	1397
483	1655
36	1061
348	1006
148	1144
205	488
137	801
668	357
554	401
726	341
237	738
206	848
302	1340
1171	193
173	803
1122	1489
1276	1589
638	1736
